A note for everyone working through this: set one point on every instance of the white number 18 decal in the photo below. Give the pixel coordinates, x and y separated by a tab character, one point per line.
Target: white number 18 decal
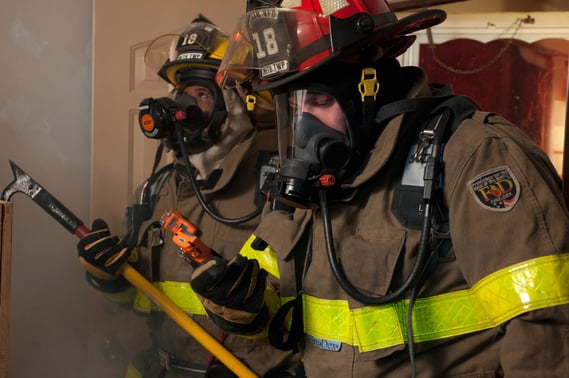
189	39
269	41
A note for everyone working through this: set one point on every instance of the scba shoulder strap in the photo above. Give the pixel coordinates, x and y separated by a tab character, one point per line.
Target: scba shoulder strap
420	179
139	212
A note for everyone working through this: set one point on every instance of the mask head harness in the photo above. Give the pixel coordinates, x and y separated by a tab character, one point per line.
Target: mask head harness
319	135
184	60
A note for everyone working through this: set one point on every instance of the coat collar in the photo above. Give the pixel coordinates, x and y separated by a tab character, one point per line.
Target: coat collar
225	170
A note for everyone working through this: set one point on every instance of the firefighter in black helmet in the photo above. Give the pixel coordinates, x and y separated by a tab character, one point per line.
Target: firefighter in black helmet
222	150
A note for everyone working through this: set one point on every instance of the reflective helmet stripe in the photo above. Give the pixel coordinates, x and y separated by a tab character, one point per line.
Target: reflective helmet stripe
501	296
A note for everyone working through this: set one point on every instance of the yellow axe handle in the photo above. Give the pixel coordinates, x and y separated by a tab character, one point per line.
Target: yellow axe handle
187	323
24	183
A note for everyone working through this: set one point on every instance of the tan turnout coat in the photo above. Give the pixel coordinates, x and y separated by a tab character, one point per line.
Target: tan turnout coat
377	253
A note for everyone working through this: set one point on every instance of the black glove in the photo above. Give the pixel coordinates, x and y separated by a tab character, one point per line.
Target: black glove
101	254
232	293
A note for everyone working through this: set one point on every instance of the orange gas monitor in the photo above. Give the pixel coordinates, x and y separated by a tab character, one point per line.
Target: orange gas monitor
184	236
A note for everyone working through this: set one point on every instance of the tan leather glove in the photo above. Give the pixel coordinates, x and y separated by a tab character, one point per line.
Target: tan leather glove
101	254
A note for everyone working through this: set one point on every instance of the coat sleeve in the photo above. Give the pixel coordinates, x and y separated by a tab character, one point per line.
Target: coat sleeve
506	207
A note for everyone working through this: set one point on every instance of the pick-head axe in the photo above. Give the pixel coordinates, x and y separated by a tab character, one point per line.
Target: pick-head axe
23	183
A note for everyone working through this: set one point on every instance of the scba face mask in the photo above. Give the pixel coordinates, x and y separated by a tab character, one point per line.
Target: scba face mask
195	117
314	145
158	117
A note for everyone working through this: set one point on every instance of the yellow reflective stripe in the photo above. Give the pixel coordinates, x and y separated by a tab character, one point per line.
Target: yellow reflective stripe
180	293
132	372
186	299
503	295
122	297
526	286
267	258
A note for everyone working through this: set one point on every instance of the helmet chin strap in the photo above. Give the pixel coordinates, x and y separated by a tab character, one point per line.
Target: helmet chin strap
368	88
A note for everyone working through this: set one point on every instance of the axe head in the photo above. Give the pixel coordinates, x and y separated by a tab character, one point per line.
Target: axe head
22	183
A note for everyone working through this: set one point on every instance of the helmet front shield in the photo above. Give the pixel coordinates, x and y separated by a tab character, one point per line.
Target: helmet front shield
271	43
159	51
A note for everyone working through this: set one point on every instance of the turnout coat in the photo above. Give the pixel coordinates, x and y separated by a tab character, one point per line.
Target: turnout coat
493	304
232	190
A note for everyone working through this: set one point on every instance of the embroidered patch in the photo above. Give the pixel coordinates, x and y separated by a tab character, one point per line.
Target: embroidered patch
496	189
333	346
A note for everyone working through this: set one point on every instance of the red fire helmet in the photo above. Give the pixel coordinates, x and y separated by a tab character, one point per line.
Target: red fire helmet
272	46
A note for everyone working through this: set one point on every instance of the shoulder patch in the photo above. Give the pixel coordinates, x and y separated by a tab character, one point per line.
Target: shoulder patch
497	189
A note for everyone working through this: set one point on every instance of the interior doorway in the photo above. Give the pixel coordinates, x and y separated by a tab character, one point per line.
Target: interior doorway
513	64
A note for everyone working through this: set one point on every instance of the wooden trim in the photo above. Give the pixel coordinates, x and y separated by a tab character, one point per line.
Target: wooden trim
5	270
565	164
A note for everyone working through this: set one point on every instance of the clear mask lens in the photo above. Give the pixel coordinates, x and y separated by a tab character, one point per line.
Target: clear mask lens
312	129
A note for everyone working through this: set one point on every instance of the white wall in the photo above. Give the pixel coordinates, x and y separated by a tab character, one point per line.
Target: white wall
45	127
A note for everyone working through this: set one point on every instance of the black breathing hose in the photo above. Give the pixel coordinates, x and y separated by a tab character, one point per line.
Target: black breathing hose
343	280
198	192
423	252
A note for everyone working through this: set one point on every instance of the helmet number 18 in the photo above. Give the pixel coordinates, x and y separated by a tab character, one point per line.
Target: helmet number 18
267	45
189	39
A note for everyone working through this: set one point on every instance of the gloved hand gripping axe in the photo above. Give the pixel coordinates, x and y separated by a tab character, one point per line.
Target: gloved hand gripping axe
23	183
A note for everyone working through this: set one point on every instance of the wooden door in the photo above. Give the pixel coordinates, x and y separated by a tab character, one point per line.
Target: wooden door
510	63
122	157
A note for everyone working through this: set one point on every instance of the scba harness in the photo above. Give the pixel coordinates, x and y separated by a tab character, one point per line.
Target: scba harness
423	170
421	175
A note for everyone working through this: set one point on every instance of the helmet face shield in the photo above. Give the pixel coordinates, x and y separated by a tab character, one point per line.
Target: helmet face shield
159	50
272	42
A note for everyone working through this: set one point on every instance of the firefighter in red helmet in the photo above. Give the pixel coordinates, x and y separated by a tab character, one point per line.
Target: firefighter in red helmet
416	234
